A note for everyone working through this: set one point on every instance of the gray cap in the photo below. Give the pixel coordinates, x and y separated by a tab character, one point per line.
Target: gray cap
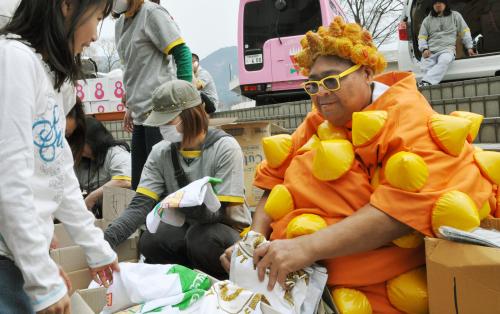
170	99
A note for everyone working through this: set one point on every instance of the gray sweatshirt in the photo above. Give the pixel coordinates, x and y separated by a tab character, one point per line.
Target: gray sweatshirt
440	33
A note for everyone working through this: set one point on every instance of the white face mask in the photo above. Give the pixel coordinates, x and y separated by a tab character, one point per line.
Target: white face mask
170	133
120	6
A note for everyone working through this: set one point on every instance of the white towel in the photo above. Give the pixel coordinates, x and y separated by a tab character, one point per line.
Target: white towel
306	286
194	194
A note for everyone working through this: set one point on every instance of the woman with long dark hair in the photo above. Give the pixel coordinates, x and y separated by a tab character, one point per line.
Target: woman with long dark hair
39	52
75	130
105	162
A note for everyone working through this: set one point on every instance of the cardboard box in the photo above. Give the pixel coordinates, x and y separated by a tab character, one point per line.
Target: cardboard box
463	278
249	135
115	200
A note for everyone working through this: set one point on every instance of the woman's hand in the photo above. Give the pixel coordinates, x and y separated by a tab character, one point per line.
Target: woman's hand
225	258
128	123
282	257
65	277
104	275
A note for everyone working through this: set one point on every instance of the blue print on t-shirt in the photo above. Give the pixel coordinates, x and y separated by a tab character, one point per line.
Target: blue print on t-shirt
48	135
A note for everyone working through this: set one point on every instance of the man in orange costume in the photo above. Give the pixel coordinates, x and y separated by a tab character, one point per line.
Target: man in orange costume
367	207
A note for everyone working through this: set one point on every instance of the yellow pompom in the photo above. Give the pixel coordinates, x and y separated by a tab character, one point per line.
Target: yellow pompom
350	301
408	292
477	148
455	209
304	224
489	163
474	118
327	131
366	125
484	211
449	132
375	180
279	203
406	171
333	159
410	241
310	145
277	148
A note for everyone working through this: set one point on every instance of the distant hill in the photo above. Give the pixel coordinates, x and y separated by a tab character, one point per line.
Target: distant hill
221	64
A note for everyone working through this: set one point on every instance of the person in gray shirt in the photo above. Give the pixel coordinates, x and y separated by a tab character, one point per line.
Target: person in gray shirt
105	162
205	82
437	41
190	151
152	51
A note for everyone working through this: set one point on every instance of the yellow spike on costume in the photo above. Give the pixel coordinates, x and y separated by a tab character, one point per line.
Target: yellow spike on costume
366	125
350	301
408	292
375	180
484	211
410	241
477	148
304	224
277	148
406	171
310	145
449	133
279	203
327	131
455	209
489	163
474	118
333	159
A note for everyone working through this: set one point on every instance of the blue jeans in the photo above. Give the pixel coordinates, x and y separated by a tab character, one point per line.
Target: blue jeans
13	299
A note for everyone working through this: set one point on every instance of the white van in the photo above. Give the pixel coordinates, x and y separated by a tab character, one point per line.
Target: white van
483	19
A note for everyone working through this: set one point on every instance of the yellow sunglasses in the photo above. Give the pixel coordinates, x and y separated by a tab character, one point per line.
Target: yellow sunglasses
330	83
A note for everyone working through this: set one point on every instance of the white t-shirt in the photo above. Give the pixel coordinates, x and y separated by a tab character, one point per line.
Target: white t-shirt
38	181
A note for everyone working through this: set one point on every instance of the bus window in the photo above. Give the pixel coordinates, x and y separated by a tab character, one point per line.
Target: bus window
262	21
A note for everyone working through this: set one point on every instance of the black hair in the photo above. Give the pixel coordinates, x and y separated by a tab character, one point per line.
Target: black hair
195	57
77	139
447	10
41	23
100	140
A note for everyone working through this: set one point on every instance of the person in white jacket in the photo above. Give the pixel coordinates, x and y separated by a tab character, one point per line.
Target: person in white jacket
39	51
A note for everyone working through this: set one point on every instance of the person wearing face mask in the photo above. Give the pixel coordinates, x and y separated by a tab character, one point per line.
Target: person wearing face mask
437	41
190	151
153	52
40	49
372	162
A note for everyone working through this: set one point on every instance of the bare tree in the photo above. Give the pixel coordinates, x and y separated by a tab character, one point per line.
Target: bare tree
380	17
104	52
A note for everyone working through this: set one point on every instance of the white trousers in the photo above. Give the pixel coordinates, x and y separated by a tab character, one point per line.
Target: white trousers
436	65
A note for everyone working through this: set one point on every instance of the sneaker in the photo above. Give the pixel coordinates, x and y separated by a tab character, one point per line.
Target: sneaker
423	84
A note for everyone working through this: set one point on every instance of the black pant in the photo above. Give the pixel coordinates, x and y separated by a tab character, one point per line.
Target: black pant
196	246
143	140
13	299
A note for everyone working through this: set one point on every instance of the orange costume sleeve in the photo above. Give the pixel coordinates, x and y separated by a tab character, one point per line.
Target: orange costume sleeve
407	128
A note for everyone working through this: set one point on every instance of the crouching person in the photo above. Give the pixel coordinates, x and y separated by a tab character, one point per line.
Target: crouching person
190	151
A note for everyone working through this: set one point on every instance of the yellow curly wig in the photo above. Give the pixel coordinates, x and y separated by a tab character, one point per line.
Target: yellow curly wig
348	41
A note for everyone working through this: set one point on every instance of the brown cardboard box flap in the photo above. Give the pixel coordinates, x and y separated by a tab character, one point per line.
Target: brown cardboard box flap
94	298
78	305
115	200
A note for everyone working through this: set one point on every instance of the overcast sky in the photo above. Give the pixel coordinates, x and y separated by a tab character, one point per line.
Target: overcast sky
205	25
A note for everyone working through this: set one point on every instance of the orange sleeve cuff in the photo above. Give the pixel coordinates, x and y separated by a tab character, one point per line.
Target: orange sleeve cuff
266	177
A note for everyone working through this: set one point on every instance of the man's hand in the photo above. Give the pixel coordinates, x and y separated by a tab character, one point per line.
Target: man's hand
62	306
426	54
128	123
104	275
282	257
471	52
225	258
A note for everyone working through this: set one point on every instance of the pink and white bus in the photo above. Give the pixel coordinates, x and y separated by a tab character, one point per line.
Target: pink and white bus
269	33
